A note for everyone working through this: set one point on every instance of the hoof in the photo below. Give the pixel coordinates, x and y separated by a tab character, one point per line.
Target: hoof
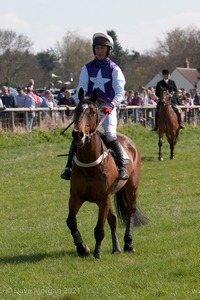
161	158
116	252
129	248
83	250
97	252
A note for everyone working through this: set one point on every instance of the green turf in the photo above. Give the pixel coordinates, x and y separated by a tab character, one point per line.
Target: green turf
37	255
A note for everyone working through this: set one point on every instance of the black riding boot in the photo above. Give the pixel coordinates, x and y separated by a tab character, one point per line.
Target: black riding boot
66	173
180	121
156	121
117	149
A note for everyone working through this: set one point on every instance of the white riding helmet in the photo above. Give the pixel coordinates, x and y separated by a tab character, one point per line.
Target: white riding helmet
102	39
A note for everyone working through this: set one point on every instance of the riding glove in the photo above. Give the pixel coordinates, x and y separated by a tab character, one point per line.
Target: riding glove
108	109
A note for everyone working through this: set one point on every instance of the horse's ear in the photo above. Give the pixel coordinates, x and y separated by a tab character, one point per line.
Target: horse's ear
81	94
94	95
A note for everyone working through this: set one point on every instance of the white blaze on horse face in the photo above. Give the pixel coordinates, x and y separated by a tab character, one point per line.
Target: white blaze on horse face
85	106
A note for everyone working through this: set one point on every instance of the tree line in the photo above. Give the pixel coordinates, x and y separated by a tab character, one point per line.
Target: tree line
18	63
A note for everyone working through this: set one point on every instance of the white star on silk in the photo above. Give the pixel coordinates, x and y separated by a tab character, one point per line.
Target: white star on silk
99	81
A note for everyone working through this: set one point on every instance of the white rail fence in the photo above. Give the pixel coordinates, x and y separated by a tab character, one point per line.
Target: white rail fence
12	118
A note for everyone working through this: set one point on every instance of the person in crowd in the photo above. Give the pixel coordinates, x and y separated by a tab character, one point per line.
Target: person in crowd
2	107
152	100
196	96
177	97
68	101
122	113
20	98
50	87
188	102
48	101
30	91
8	101
105	76
166	84
32	101
135	100
130	96
61	94
143	94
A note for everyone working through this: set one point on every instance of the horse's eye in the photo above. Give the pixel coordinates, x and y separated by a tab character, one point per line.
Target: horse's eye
91	113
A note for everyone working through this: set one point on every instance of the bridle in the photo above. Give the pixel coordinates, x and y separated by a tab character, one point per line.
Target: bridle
99	123
88	139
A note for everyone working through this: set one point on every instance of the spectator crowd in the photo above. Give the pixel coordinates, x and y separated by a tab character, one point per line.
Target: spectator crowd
28	97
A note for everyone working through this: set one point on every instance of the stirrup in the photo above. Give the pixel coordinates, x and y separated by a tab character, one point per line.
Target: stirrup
123	175
66	173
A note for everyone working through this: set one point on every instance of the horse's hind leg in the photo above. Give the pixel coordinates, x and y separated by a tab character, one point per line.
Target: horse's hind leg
71	221
126	207
112	222
128	236
160	143
99	229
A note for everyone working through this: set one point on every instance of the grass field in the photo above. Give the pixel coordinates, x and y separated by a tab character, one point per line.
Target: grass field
37	256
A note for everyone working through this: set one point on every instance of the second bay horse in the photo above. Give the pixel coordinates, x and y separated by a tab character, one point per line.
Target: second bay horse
167	124
94	179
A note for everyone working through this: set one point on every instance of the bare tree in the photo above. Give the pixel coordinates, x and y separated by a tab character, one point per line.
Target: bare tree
179	44
74	52
10	41
17	64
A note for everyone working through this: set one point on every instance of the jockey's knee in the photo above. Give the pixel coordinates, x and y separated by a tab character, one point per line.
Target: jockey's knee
110	137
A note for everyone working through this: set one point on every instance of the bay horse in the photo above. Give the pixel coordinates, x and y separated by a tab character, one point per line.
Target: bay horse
167	124
94	179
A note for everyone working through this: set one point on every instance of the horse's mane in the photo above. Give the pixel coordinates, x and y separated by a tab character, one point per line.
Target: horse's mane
103	138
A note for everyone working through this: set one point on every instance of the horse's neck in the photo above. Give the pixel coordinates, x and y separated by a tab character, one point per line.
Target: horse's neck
165	106
167	112
91	150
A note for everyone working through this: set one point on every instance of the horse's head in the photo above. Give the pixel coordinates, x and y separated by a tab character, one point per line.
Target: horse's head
164	97
85	118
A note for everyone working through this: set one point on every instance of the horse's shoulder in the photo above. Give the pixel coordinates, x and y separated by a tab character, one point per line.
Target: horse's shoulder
103	138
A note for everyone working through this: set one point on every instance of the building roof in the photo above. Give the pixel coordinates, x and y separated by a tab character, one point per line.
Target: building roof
186	78
192	75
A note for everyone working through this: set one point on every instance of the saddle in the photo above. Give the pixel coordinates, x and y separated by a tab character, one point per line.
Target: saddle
107	144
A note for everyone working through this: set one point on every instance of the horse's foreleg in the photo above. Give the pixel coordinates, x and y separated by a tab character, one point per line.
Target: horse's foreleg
112	223
71	221
160	143
99	229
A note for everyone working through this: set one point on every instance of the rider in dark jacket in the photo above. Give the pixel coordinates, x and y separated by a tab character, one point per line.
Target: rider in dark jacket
165	84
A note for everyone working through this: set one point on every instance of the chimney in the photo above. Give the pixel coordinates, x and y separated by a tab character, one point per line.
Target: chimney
186	63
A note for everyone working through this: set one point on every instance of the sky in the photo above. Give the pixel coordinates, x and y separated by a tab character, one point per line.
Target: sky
137	23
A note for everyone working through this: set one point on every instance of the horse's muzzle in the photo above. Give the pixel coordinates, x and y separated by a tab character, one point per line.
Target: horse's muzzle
78	137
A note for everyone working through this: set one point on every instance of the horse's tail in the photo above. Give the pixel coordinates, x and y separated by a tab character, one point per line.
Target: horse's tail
122	213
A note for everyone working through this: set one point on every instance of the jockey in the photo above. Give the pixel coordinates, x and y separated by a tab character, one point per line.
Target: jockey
105	76
170	85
